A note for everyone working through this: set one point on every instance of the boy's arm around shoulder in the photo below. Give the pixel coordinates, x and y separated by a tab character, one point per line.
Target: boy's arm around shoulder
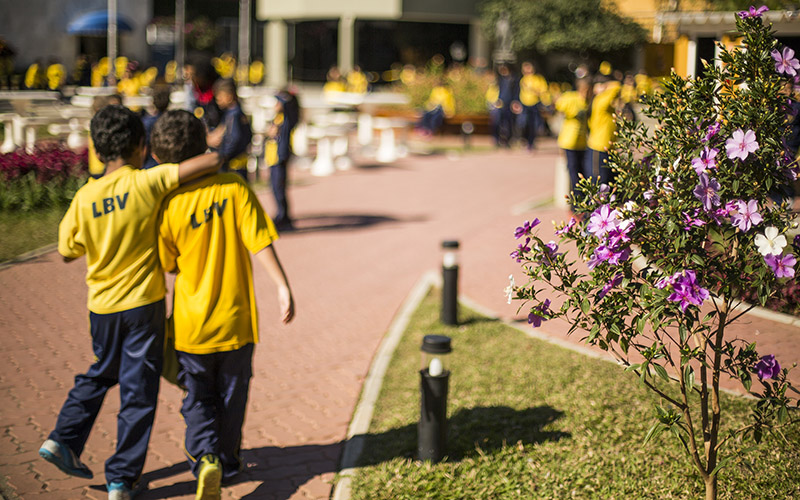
270	262
197	166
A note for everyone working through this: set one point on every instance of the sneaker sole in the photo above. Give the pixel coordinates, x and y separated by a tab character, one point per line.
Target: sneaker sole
208	485
55	460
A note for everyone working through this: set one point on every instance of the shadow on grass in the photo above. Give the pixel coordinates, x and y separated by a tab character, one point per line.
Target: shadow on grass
485	428
282	471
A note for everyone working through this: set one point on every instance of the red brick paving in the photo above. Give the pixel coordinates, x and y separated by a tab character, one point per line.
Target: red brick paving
365	236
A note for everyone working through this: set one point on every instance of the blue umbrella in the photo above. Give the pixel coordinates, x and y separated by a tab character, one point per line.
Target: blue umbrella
96	23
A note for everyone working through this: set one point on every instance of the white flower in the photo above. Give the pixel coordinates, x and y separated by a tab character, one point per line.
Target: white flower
630	206
770	243
509	291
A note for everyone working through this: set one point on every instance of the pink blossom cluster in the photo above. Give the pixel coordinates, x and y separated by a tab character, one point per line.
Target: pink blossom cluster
613	231
53	162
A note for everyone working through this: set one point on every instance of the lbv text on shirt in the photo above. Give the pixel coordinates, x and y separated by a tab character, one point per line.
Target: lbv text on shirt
109	205
208	213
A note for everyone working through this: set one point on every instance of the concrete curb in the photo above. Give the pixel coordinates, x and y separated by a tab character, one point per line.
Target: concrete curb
29	255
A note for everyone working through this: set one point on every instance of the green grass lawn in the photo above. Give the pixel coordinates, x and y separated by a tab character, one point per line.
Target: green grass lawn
530	420
25	231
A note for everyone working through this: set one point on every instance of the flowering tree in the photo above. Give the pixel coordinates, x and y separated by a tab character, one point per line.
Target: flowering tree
688	224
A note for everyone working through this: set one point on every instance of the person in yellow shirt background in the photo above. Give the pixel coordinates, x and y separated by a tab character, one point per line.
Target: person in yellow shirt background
207	232
112	221
35	77
601	123
56	75
574	105
357	81
533	95
335	81
440	105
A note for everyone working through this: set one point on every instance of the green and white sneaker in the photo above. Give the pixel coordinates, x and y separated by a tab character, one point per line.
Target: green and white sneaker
65	459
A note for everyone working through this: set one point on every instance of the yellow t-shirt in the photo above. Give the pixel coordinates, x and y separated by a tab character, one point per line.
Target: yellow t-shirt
96	167
532	88
55	76
112	220
573	130
442	96
207	232
601	122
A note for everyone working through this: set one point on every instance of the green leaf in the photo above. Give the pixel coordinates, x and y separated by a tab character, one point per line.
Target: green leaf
585	306
684	334
654	432
661	372
688	376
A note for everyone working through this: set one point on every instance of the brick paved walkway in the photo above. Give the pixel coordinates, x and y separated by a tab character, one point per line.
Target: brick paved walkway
365	236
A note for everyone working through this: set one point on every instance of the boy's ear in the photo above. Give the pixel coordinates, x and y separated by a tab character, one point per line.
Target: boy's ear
156	158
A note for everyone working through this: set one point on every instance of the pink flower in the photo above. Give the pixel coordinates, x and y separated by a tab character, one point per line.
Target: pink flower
785	62
782	266
741	144
712	131
747	215
602	221
706	160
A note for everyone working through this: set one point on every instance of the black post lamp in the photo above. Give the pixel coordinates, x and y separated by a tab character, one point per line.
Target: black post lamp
434	378
450	283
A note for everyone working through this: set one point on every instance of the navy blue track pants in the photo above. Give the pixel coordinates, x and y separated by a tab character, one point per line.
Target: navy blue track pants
128	349
213	409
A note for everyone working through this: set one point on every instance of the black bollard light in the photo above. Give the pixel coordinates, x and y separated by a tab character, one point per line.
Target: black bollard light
467	129
449	314
434	379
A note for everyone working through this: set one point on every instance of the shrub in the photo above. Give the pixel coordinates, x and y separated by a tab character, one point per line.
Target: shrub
48	177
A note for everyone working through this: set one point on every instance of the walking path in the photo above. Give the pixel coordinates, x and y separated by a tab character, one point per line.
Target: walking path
364	238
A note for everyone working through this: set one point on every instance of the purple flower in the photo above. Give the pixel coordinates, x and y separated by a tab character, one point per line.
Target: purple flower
747	215
768	367
602	220
692	221
706	192
667	281
522	248
525	229
569	225
713	129
785	62
796	242
687	291
616	280
753	12
707	160
537	315
782	266
741	144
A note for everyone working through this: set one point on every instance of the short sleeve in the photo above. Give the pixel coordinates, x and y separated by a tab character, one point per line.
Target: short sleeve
68	231
257	229
161	179
167	251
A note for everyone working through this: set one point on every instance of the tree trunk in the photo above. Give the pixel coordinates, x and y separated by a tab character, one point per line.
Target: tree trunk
711	487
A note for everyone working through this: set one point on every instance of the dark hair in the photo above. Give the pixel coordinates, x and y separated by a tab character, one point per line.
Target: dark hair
161	98
226	85
116	133
177	136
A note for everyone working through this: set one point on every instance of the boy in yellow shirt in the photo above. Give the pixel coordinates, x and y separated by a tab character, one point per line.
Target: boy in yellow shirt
601	131
207	232
112	221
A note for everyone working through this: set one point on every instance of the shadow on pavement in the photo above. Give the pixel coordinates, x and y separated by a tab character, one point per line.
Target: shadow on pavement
282	471
339	222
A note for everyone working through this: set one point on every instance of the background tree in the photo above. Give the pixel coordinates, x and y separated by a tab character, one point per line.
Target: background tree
591	27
